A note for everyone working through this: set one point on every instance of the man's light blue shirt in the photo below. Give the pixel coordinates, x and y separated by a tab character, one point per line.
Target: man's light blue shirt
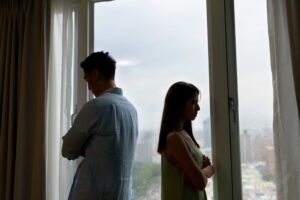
107	128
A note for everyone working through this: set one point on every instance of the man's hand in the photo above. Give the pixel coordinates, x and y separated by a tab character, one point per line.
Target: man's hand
82	152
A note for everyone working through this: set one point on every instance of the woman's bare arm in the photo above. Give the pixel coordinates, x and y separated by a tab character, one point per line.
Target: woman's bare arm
177	148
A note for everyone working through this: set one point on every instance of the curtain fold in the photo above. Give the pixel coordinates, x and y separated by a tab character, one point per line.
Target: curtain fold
293	17
60	171
286	116
22	100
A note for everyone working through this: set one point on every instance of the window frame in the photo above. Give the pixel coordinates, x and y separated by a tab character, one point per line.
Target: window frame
224	99
83	50
223	89
75	9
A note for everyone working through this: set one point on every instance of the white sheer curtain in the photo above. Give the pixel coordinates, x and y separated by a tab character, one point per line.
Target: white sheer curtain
286	119
59	171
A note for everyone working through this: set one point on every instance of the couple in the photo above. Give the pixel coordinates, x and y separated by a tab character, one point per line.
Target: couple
105	133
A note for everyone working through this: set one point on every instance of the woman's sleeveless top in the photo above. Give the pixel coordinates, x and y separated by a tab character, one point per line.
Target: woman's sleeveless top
173	184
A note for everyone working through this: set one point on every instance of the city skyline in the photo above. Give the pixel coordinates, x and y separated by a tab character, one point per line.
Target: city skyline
257	163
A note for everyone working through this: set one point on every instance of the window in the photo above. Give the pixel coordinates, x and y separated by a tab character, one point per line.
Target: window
255	100
156	43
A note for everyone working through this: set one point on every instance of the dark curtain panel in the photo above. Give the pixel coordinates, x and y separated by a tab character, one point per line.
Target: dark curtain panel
293	15
22	99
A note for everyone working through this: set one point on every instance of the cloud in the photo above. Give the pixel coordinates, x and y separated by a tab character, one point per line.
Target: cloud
127	63
157	43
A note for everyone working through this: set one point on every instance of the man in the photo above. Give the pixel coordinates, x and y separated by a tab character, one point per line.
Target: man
105	133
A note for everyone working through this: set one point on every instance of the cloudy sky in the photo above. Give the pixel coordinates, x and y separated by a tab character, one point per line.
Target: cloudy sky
157	43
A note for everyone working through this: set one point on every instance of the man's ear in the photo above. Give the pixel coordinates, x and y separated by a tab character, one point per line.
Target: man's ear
99	75
96	75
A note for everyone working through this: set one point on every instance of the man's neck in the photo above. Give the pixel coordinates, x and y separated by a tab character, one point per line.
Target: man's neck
107	85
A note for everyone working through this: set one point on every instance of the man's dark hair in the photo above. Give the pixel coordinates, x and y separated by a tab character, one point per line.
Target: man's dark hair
102	62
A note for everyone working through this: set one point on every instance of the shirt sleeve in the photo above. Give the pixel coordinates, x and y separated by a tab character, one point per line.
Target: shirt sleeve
81	131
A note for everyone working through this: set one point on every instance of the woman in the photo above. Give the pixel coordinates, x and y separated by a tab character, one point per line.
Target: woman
185	169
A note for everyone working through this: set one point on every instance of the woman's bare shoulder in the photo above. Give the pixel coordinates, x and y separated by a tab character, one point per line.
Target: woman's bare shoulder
175	139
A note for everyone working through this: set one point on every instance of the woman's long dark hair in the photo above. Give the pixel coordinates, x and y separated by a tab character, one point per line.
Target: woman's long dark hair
177	96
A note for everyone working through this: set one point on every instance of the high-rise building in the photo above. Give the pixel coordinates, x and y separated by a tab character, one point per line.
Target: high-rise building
207	133
246	147
144	148
270	159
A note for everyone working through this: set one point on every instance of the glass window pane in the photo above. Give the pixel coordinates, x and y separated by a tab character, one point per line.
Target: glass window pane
156	43
255	100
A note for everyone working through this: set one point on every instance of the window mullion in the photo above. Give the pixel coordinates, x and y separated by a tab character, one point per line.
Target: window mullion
221	39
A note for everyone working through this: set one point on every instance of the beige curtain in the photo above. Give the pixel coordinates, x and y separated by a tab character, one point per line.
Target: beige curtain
59	171
22	100
284	46
293	16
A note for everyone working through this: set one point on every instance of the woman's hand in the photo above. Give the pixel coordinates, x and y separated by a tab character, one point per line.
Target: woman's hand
209	171
206	162
207	168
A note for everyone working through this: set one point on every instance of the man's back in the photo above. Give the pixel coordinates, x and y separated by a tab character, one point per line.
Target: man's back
108	124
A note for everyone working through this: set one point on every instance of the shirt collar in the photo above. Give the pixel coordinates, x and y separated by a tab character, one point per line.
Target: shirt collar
115	90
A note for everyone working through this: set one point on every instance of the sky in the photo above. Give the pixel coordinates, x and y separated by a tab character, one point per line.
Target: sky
157	43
